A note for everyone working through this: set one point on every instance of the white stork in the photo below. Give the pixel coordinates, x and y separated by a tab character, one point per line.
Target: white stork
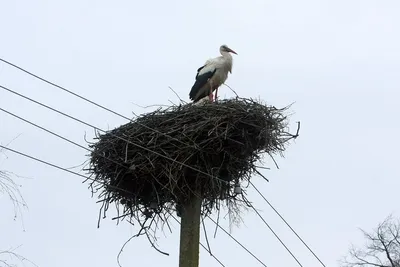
212	75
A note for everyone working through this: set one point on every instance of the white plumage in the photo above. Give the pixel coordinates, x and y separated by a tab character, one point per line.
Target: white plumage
212	75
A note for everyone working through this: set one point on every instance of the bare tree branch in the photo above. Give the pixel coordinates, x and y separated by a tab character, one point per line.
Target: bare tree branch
8	187
382	248
9	258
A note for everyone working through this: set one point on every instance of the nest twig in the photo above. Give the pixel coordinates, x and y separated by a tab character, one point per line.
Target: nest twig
154	163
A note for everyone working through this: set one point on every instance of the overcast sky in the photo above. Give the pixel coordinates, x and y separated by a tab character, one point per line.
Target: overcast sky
339	61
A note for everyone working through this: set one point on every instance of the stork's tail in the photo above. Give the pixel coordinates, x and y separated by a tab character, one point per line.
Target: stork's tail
201	101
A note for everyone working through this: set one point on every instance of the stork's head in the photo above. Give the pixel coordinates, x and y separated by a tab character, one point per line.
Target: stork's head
225	48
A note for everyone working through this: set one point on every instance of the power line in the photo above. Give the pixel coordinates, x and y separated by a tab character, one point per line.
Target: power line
88	100
283	244
76	144
63	169
304	243
103	131
122	116
64	89
226	232
81	175
57	135
87	124
46	163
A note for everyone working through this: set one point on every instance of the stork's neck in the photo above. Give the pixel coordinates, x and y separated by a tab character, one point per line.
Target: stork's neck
226	55
228	60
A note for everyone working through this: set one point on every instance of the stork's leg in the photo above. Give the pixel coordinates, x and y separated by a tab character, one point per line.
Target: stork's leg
215	96
211	94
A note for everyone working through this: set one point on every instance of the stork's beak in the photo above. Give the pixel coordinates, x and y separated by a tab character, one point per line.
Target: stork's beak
230	50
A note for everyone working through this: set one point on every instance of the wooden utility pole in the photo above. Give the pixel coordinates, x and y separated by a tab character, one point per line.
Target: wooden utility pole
190	233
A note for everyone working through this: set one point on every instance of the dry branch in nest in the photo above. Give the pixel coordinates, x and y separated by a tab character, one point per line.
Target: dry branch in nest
154	163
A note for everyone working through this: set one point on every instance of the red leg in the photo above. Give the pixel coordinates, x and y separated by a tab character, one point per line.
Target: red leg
216	92
211	94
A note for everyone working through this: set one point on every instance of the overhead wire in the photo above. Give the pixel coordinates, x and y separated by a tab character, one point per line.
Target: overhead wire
226	232
288	225
103	131
122	116
57	135
76	144
94	127
87	124
280	240
84	176
86	99
64	89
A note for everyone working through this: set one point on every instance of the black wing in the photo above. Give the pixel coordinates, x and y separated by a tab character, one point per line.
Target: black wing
201	80
198	70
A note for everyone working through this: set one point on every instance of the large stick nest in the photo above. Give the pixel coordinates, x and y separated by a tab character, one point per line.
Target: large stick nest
160	159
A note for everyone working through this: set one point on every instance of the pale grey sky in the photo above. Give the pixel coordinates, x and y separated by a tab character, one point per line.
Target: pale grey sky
338	60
